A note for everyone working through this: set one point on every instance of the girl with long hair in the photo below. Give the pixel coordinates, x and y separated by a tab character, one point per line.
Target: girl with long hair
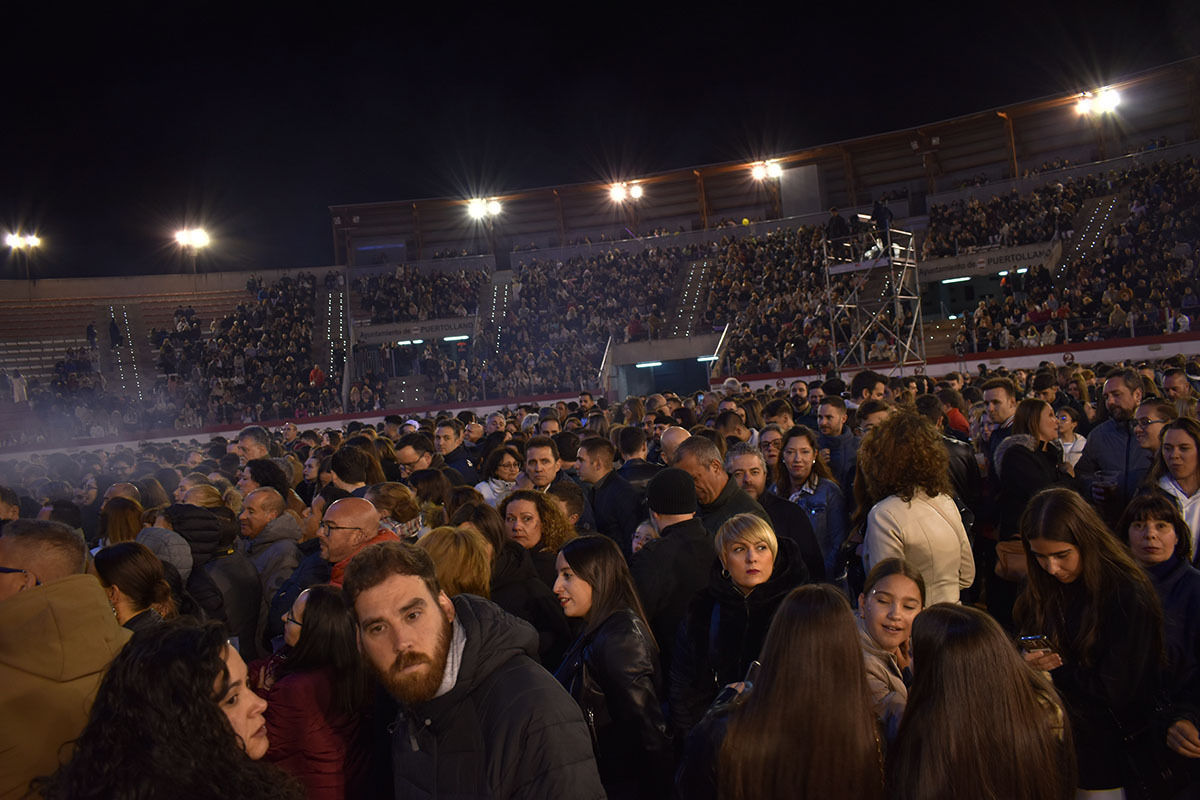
892	597
137	590
1100	616
806	729
913	516
180	687
316	688
613	670
979	722
804	478
120	521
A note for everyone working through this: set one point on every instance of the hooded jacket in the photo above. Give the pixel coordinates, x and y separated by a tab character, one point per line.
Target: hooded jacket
723	632
201	528
505	730
56	641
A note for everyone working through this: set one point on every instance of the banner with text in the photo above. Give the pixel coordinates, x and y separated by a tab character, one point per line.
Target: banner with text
989	262
428	329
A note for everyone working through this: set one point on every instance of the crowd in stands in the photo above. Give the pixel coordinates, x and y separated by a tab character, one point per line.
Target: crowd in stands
407	294
985	581
1141	281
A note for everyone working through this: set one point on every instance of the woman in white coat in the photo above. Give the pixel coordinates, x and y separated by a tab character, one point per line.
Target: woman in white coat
905	475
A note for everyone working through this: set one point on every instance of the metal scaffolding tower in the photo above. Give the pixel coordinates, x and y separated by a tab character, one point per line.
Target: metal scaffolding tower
871	287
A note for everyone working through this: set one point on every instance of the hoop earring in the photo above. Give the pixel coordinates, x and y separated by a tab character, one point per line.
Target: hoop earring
724	573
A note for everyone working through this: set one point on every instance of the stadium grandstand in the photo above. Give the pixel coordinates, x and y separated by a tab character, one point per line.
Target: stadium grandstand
1061	227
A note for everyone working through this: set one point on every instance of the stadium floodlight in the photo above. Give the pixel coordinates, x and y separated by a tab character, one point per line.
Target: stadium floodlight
1108	100
477	208
18	242
618	192
493	207
192	237
774	170
1102	101
759	171
635	191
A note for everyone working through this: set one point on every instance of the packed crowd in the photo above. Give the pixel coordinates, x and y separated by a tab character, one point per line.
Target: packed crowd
407	294
1008	220
1141	282
986	582
561	315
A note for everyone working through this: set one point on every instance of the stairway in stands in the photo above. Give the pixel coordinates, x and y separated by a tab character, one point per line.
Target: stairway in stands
1092	224
493	311
331	318
129	367
691	290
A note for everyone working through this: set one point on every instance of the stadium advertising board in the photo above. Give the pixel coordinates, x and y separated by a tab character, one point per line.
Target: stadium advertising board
990	262
429	329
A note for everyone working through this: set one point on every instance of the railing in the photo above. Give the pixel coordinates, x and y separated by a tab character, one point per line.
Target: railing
602	382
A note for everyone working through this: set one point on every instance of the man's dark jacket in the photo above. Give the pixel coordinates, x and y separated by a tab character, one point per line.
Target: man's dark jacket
732	501
616	506
790	521
668	573
506	730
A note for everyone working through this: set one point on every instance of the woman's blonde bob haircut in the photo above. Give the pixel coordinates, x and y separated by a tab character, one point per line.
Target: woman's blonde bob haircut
746	528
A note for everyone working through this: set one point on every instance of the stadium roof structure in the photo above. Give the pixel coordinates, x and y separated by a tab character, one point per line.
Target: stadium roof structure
915	162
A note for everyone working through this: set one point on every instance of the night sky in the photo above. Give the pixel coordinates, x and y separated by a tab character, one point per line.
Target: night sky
120	126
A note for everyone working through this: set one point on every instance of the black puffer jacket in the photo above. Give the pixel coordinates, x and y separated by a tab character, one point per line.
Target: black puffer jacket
613	673
506	729
517	589
723	632
200	528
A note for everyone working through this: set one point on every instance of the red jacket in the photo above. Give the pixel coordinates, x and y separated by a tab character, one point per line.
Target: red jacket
324	751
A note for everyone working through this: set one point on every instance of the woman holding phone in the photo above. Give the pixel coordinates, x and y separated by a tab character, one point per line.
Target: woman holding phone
1099	613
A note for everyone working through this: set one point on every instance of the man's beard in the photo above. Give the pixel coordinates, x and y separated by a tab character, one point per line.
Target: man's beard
1119	414
422	685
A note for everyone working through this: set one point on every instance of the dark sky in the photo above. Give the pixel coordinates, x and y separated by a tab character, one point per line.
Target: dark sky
119	126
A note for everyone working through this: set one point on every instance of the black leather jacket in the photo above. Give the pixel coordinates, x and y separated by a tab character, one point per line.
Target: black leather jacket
613	673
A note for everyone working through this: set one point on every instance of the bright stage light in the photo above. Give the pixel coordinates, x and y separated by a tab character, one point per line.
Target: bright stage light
758	172
14	241
618	192
477	208
192	238
493	207
1084	106
635	191
32	241
774	170
1108	100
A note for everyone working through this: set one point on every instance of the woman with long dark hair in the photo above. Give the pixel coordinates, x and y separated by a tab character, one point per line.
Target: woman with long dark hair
137	590
979	722
806	729
1103	623
316	688
174	716
803	478
613	670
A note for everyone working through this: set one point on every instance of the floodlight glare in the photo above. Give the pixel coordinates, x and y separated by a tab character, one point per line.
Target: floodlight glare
192	238
774	170
1084	106
32	241
635	191
493	207
14	241
1108	100
618	192
758	172
476	208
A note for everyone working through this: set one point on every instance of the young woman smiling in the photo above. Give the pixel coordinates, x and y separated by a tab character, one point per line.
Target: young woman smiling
892	597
